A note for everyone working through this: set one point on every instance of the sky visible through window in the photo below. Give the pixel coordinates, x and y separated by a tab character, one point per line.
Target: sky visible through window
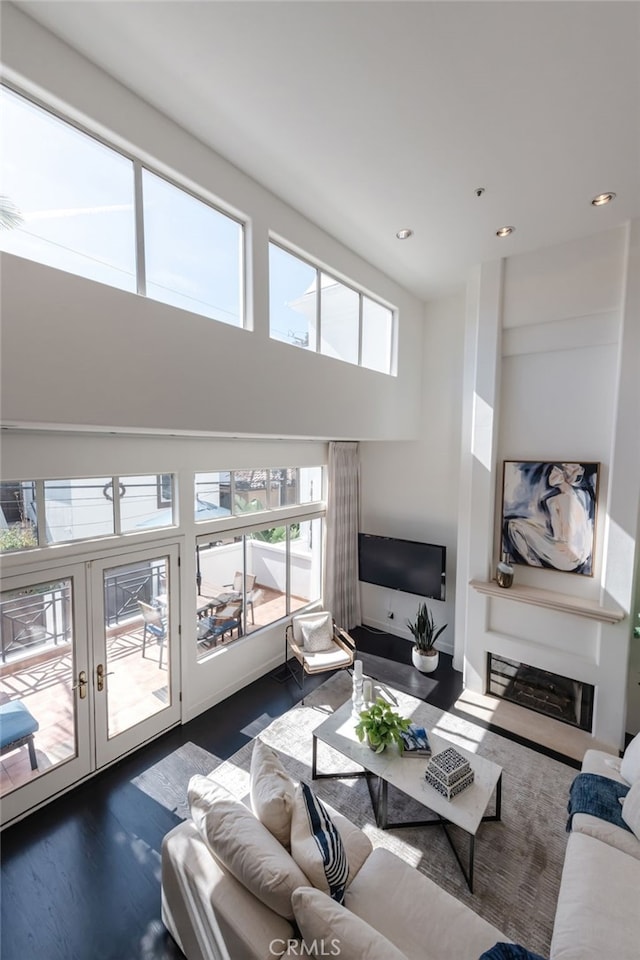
75	198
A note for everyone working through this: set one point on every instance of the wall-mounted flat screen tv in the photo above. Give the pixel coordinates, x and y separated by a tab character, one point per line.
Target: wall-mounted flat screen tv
405	565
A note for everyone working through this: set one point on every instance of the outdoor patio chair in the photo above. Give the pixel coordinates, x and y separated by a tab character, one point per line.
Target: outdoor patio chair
213	629
17	727
317	645
252	594
154	624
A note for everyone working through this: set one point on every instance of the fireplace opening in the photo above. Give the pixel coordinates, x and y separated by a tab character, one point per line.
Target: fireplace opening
570	701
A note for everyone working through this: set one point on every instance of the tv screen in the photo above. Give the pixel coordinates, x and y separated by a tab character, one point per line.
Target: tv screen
406	565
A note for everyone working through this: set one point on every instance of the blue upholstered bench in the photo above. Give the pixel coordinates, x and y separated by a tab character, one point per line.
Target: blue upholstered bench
17	727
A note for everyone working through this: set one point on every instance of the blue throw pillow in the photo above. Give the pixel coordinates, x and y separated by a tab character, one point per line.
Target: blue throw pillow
316	845
509	951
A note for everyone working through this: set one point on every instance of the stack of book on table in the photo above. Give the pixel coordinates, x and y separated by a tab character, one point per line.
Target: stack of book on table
415	741
449	773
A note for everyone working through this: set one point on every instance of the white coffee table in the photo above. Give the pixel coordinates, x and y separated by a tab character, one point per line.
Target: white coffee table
467	810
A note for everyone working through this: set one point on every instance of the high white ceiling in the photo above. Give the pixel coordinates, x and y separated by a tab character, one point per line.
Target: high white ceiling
372	116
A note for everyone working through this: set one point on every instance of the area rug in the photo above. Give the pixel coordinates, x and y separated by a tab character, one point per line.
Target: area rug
518	862
399	675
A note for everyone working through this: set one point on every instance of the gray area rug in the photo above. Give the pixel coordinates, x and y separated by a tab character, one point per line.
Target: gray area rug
518	862
399	675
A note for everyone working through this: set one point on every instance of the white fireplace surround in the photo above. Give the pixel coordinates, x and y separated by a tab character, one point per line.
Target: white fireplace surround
549	342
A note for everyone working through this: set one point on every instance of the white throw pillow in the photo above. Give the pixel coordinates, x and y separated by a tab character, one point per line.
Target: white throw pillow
336	931
631	809
630	765
317	633
272	791
244	846
316	844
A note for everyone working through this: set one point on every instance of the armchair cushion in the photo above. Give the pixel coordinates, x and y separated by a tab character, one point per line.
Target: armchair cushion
315	631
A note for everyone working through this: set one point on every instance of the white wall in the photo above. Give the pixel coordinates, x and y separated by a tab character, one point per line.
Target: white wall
410	490
102	357
563	323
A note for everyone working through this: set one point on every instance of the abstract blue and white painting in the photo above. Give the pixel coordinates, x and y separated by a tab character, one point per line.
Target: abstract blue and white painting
549	514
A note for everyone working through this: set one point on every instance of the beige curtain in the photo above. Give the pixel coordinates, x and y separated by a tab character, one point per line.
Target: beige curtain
341	590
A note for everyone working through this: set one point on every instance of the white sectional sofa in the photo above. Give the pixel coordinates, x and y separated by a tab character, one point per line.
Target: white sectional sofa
598	912
230	889
250	893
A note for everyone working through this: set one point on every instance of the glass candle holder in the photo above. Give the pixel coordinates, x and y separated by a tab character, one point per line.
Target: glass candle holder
504	574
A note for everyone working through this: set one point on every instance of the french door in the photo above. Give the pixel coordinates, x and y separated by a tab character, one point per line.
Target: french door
45	690
134	604
89	669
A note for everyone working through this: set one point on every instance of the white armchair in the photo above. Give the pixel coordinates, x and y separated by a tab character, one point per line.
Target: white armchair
317	645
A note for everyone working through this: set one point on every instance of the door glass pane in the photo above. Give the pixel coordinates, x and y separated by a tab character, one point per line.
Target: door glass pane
77	509
339	320
37	705
146	502
193	253
377	324
70	198
137	638
292	299
18	515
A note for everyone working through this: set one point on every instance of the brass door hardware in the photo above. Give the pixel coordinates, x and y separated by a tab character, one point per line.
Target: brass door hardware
100	673
81	685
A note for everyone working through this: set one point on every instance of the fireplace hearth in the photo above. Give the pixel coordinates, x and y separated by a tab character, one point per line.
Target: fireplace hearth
562	698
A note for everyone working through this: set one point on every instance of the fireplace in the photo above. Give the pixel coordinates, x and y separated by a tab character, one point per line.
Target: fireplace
570	701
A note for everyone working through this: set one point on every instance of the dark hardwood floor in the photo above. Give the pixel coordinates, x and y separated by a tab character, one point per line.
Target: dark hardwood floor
81	876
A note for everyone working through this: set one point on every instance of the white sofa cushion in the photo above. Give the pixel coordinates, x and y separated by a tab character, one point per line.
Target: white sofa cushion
316	844
597	914
244	846
336	931
631	809
630	765
272	791
419	917
606	765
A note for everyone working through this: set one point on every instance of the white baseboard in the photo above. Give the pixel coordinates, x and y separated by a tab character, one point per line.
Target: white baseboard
233	687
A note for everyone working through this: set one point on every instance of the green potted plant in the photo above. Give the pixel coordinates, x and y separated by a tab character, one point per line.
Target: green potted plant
381	725
424	655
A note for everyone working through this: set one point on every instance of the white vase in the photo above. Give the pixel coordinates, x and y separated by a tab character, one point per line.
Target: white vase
424	662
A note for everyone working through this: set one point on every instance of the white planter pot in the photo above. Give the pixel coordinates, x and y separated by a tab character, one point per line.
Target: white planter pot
423	662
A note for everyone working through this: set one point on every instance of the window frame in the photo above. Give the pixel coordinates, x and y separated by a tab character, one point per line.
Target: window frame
350	285
138	165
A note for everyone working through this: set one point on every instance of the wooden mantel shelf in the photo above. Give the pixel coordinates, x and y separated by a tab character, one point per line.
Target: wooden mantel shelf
551	599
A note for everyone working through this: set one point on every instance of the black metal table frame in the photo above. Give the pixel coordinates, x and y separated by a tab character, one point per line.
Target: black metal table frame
379	796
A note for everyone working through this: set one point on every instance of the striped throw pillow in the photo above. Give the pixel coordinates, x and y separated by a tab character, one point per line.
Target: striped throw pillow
316	845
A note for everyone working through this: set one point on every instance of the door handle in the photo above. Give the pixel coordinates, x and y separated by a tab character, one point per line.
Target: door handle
81	684
101	674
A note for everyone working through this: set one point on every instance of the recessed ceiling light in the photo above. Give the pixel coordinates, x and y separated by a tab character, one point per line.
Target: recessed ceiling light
404	234
603	198
504	231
